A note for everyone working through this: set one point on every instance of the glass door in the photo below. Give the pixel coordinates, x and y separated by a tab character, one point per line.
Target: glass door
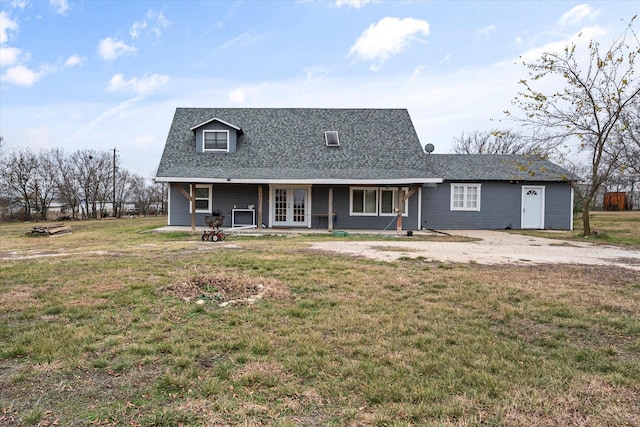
290	206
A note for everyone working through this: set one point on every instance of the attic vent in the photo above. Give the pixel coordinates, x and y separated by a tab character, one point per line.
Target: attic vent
331	138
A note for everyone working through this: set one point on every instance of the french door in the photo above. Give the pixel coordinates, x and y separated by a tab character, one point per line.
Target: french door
290	206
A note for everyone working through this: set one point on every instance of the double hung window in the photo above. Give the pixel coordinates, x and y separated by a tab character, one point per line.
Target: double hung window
364	201
216	140
389	201
203	196
465	197
376	201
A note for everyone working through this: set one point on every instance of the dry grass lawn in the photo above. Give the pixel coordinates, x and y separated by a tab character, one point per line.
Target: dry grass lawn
112	325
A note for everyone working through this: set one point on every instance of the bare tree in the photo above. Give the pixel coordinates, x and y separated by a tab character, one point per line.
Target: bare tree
499	142
631	120
92	173
45	182
19	174
123	187
142	194
590	108
65	182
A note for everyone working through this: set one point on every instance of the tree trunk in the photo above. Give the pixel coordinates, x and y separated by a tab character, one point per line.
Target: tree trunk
586	225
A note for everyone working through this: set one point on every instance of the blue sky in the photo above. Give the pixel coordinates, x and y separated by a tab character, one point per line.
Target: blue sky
109	74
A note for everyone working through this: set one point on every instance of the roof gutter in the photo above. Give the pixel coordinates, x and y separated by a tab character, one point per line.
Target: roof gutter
332	181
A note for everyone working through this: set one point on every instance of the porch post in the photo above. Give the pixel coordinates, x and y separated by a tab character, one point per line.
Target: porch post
192	191
399	205
330	216
260	207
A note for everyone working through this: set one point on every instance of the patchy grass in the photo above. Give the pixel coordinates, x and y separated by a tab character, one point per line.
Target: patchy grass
611	228
103	327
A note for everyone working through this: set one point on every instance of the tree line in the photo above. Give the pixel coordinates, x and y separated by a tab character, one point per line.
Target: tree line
87	183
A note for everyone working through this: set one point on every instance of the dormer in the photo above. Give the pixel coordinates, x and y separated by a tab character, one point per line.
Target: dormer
216	136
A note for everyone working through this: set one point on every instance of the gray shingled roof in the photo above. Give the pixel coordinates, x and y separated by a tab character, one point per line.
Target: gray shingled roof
490	167
289	144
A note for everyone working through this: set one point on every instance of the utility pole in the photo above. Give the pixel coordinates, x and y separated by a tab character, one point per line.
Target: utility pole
115	207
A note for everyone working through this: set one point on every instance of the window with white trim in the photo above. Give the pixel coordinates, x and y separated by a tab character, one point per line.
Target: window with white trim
389	202
203	196
465	197
215	140
375	201
364	201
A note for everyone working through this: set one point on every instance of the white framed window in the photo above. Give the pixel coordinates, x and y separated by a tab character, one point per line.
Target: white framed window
375	201
465	197
203	195
215	140
363	201
389	201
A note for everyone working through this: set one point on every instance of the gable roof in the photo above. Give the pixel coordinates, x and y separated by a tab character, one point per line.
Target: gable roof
288	145
215	119
377	146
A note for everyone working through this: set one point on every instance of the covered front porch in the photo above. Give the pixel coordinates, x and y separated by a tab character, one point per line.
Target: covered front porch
308	206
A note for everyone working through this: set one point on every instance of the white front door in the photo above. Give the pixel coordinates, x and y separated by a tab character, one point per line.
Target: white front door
290	206
532	207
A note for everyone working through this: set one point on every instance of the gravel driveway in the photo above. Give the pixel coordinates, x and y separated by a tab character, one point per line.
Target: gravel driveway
493	247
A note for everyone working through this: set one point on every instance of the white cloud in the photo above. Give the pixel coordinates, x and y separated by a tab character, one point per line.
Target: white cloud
159	22
417	71
445	60
243	40
578	14
238	96
110	49
580	39
486	30
6	25
390	36
144	141
137	26
61	6
140	86
154	22
315	73
21	76
75	60
20	4
9	56
357	4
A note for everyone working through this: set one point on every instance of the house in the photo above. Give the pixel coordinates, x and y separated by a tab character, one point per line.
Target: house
346	168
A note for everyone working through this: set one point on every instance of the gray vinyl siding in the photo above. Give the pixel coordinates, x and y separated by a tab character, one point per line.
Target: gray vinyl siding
558	209
343	219
226	196
500	207
233	137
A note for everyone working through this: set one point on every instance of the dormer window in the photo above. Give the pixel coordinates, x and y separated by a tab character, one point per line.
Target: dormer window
331	138
216	140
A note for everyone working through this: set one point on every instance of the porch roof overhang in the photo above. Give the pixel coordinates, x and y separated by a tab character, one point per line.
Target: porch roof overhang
317	181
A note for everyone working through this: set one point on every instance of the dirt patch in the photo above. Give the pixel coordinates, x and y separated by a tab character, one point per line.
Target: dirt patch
224	288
